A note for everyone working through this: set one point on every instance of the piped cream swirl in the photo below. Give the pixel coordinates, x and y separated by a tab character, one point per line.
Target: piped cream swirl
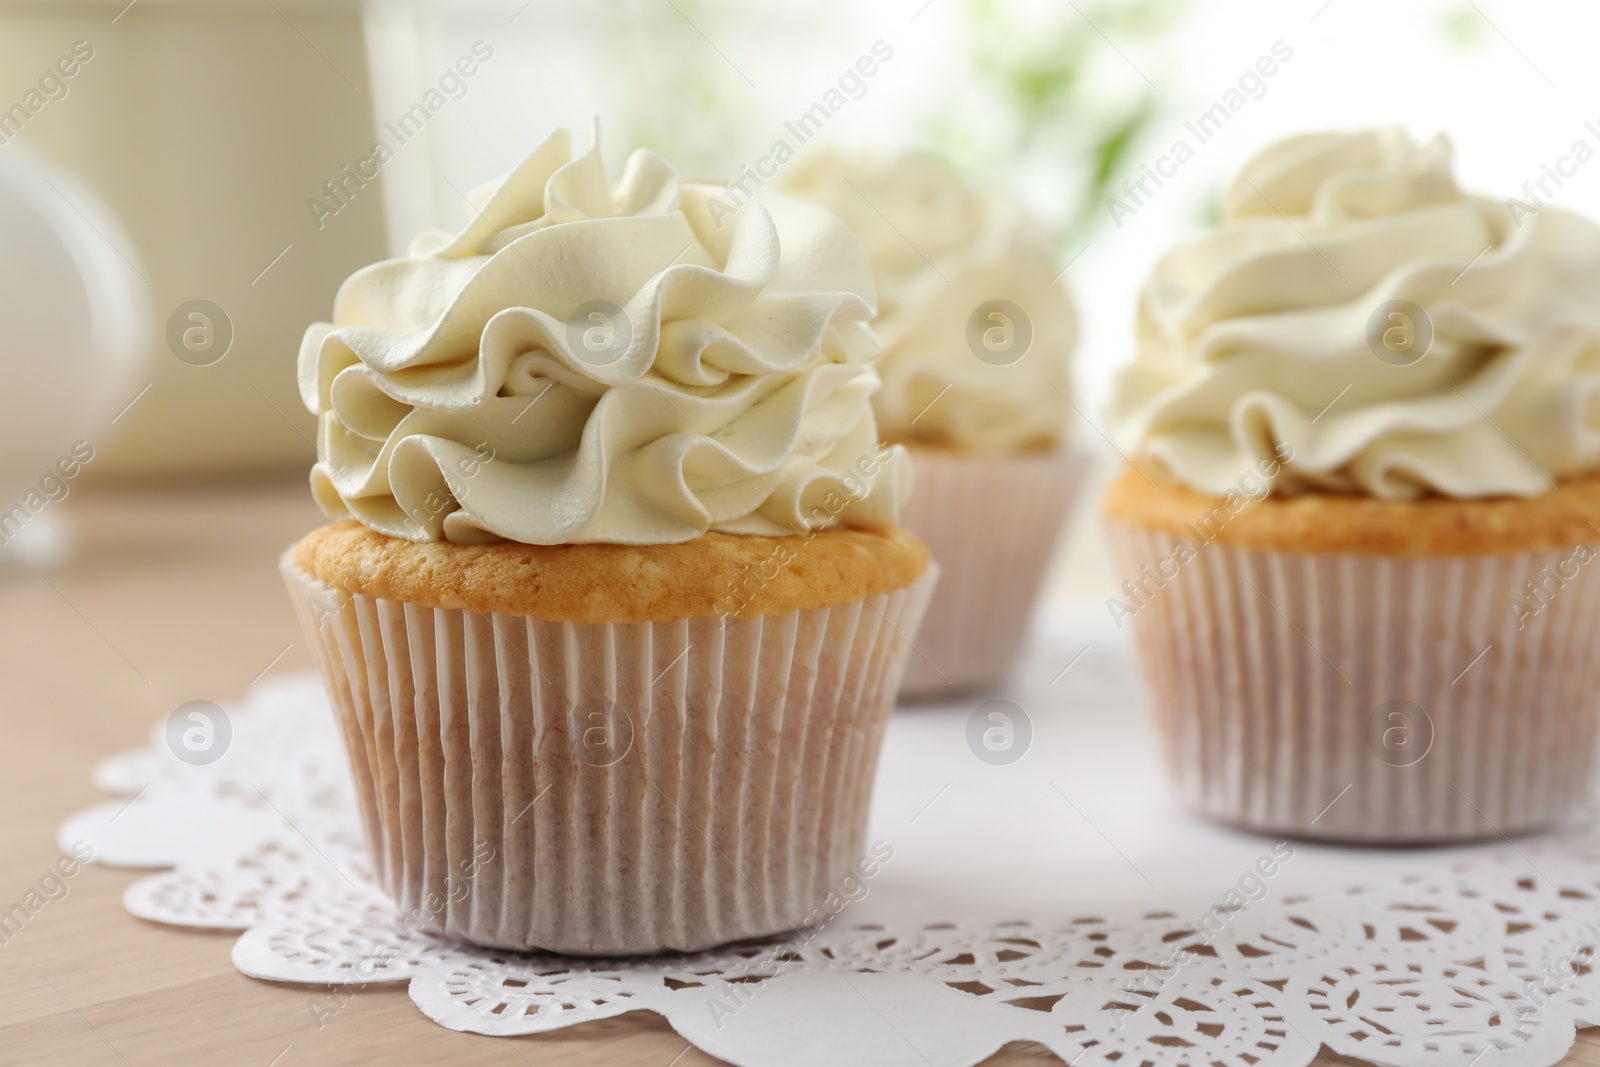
589	362
1254	338
940	248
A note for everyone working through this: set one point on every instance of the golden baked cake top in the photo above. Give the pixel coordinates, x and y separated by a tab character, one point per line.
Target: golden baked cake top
1433	526
717	574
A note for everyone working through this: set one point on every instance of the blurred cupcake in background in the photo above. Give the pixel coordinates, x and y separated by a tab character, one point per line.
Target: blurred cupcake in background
614	609
1358	544
977	333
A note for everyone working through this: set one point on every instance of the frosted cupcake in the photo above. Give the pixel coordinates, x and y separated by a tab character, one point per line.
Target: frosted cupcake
977	334
616	607
1365	416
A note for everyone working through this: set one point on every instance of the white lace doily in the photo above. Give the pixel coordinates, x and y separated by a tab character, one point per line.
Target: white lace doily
1150	939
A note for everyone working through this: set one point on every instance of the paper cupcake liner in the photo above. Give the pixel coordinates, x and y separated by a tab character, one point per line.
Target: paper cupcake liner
608	789
1369	698
993	524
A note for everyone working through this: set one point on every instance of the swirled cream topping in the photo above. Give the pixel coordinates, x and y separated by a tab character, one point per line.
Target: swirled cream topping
599	362
941	249
1389	334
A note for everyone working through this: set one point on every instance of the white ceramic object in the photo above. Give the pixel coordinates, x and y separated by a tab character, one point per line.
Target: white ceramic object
74	332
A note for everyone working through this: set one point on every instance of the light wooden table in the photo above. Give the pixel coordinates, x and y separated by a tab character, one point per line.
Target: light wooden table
174	596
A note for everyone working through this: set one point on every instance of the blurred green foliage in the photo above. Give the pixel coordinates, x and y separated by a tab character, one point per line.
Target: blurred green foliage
1463	27
1045	90
1058	112
679	97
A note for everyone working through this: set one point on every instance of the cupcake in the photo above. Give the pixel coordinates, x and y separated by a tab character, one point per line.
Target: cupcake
976	340
1364	423
614	605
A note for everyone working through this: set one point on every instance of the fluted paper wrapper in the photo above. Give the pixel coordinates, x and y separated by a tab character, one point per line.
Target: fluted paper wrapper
608	789
993	524
1367	698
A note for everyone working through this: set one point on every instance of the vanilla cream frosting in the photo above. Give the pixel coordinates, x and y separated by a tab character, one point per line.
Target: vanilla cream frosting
597	362
940	248
1253	338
